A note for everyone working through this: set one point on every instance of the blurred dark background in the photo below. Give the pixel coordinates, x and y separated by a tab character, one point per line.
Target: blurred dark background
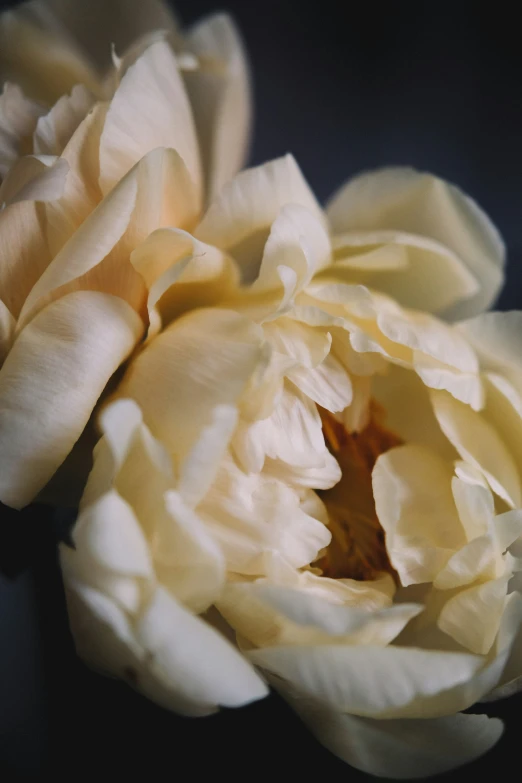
344	87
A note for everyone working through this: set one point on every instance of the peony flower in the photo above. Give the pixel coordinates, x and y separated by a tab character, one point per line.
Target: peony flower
85	182
307	443
369	491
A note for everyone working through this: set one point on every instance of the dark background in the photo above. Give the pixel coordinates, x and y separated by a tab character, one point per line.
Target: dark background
344	88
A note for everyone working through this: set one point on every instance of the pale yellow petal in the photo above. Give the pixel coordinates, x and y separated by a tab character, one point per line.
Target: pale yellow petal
219	90
478	443
367	680
24	253
472	617
171	656
199	468
37	52
400	749
34	178
50	382
202	360
101	24
87	247
402	199
54	130
150	109
7	328
415	270
240	217
18	118
82	193
413	500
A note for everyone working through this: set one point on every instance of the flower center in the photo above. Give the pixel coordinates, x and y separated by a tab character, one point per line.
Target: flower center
357	549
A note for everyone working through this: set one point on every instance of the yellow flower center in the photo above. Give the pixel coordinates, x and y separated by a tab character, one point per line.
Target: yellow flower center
357	549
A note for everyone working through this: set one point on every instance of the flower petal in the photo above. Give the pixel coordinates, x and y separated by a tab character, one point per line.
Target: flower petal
200	466
478	443
173	657
402	199
401	749
240	218
149	109
193	668
253	515
54	130
413	500
34	178
37	52
367	680
472	617
117	23
202	360
18	118
50	382
219	90
415	270
87	247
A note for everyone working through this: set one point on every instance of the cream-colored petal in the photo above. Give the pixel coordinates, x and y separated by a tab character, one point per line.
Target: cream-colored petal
367	680
369	595
87	247
496	338
254	515
167	195
413	500
7	328
50	382
118	23
183	274
475	560
82	193
402	199
507	528
478	443
18	118
199	468
240	217
475	505
293	432
54	130
464	386
173	657
150	109
400	749
202	360
426	334
108	534
409	413
355	625
219	91
188	561
193	669
472	617
34	178
415	270
24	253
102	631
328	385
297	240
302	343
37	52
